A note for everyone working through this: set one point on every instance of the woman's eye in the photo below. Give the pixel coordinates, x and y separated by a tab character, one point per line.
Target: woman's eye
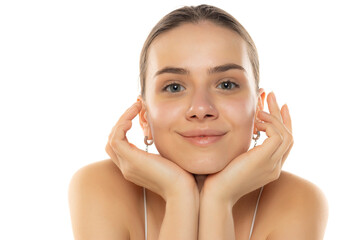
228	85
174	87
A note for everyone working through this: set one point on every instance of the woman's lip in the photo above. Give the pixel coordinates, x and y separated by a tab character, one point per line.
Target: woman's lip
205	140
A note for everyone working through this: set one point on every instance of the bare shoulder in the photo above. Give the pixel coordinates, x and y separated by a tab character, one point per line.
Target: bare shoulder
103	204
298	206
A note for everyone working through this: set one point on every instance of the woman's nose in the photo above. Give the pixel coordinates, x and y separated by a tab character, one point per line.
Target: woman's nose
201	107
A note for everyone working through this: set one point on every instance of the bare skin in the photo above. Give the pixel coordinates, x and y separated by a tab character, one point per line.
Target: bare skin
117	210
106	198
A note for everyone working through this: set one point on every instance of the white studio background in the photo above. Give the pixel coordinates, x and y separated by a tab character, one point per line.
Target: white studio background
69	69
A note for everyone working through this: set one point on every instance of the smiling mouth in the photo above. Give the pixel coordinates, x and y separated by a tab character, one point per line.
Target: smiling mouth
204	140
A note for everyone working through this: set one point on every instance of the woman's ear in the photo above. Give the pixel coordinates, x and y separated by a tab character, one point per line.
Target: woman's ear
261	99
143	118
260	104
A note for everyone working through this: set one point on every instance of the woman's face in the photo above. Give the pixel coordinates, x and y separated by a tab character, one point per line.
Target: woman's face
200	97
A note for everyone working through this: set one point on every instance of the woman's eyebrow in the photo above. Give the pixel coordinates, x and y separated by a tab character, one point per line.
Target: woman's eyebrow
217	69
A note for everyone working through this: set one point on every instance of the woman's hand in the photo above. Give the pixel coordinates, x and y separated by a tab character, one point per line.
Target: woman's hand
149	170
258	166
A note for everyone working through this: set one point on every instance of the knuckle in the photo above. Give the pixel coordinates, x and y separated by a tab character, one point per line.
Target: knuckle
124	124
113	130
128	170
278	172
279	138
275	175
107	148
288	138
292	140
110	136
113	143
275	171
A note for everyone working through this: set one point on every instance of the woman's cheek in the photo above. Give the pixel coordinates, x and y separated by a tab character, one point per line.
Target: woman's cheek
240	115
240	111
163	117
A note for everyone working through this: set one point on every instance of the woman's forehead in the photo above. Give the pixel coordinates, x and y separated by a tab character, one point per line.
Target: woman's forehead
197	47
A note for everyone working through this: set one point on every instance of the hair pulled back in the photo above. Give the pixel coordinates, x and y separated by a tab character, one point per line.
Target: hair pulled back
196	14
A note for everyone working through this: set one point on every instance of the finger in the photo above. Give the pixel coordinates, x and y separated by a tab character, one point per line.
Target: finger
286	117
274	140
127	116
130	113
273	106
118	139
112	154
267	117
279	154
286	154
287	122
277	168
286	135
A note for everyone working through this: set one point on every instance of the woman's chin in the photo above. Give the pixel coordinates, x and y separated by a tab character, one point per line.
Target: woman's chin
200	163
204	169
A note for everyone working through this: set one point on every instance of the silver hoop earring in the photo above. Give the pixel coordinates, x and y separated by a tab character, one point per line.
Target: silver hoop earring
256	137
147	143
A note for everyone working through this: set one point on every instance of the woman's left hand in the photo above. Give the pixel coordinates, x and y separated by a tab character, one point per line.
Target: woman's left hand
258	166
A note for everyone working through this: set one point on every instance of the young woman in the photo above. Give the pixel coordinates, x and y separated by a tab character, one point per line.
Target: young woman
201	105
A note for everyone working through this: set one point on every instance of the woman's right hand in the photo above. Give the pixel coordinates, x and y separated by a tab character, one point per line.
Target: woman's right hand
151	171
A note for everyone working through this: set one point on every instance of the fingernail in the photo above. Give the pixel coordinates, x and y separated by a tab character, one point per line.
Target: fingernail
287	108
